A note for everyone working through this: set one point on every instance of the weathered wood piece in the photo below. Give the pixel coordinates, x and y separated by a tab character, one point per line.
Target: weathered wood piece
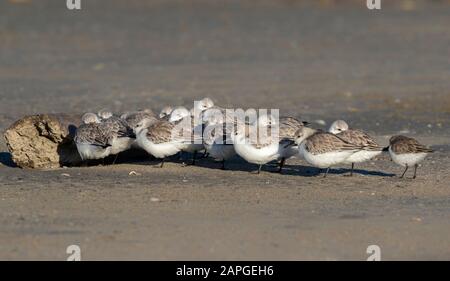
44	141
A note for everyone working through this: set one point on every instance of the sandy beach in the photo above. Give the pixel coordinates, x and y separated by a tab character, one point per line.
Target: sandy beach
387	72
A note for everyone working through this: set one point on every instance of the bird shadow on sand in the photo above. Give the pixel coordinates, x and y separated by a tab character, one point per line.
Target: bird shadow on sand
237	164
367	173
6	159
292	170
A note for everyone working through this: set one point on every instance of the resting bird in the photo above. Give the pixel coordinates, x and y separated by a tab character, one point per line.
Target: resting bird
122	134
370	147
92	138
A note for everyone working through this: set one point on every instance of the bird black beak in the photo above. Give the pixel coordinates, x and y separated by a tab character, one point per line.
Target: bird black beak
291	143
386	149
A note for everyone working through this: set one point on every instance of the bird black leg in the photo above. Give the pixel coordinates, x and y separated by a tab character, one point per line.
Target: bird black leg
115	159
206	154
353	167
259	169
223	164
415	171
283	160
194	157
404	172
326	173
162	163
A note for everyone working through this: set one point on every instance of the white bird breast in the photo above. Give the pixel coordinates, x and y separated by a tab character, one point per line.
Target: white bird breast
121	144
325	160
257	156
220	151
89	151
361	156
407	159
158	150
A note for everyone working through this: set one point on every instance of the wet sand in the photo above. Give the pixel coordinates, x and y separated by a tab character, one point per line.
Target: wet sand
386	72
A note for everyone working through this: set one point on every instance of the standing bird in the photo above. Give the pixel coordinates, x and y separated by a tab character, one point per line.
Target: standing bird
261	150
197	127
407	152
92	139
370	147
323	150
183	115
122	135
287	129
217	137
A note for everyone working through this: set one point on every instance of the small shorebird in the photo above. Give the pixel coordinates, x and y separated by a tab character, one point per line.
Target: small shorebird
181	114
133	118
407	152
92	139
143	118
197	126
323	150
165	112
261	150
370	147
161	139
287	129
200	106
122	135
217	138
178	113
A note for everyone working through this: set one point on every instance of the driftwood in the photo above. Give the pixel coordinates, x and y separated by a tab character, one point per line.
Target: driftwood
44	141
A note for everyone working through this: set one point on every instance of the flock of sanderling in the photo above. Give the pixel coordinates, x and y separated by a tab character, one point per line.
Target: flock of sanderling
104	134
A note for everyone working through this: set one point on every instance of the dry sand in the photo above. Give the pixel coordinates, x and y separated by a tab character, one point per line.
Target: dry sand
386	72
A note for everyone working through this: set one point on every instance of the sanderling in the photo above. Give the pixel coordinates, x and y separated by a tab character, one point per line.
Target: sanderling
407	152
178	113
92	139
287	129
200	106
143	118
370	146
165	112
261	150
122	135
322	149
216	138
181	113
197	126
161	139
135	118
